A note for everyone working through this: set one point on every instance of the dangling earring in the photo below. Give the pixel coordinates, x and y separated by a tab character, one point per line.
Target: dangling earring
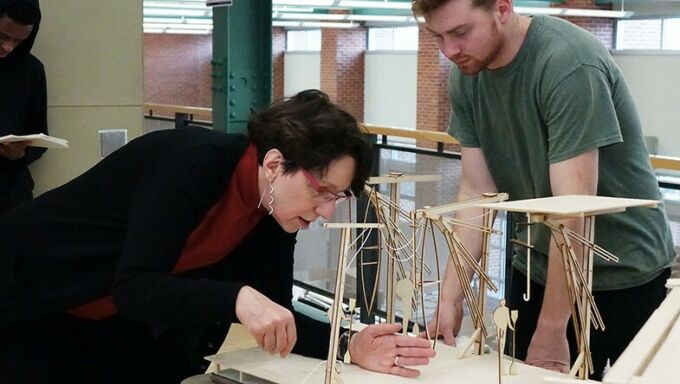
271	198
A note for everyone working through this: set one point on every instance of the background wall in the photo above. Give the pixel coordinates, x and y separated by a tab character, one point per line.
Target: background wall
654	81
390	89
94	80
177	69
302	71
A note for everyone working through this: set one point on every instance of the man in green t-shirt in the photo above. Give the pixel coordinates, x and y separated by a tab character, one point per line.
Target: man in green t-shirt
541	109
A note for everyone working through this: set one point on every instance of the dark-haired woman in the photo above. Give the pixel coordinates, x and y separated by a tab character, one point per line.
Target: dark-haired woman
133	271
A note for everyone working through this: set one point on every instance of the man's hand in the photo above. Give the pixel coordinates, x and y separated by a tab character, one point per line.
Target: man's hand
450	317
549	349
14	151
272	325
378	348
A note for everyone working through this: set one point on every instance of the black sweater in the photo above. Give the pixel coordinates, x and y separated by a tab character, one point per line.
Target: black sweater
120	228
23	111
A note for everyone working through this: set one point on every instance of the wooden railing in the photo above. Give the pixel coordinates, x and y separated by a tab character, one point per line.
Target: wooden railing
205	114
171	111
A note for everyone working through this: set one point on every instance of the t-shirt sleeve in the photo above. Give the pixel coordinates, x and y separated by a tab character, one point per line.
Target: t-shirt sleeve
460	122
580	114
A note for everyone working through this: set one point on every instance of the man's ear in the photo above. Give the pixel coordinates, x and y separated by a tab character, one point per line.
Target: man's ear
504	9
272	164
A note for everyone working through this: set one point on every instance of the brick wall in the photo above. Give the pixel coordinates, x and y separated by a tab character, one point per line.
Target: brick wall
177	69
342	68
602	28
278	53
328	77
433	72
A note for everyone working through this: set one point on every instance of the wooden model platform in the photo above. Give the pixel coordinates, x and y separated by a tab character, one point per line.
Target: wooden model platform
444	368
571	205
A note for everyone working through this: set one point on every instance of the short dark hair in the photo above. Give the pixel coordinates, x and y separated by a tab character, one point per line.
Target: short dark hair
311	132
424	7
22	13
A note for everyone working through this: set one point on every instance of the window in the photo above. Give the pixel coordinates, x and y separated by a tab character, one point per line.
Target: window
671	34
307	40
393	39
654	34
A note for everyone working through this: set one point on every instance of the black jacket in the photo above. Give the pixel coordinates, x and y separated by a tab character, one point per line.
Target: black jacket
120	228
23	110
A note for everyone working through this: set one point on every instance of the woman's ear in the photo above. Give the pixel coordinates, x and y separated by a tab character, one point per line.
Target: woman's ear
272	164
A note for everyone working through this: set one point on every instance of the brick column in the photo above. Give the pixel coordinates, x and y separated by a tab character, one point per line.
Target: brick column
602	28
433	107
278	53
342	68
177	69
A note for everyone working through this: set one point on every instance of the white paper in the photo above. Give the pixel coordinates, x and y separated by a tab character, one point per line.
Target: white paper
37	140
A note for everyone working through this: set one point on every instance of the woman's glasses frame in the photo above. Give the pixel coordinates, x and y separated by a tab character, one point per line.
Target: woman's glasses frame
323	194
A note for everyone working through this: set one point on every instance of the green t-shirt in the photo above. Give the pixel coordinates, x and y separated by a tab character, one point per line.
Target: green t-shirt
561	96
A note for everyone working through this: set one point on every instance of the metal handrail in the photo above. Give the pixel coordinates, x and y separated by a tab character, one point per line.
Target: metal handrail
440	138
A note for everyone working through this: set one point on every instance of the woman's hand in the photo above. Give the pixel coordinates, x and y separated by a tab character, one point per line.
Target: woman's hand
272	325
378	348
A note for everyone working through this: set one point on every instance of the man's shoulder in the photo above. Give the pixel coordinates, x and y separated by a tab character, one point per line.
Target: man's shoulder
561	41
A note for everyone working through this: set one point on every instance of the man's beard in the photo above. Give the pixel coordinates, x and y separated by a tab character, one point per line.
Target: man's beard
472	66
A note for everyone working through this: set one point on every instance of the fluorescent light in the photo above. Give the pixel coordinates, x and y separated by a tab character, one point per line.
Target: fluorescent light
384	18
312	24
173	30
576	12
596	13
309	16
306	3
169	4
538	10
183	20
292	9
177	26
375	4
322	24
286	23
176	12
341	17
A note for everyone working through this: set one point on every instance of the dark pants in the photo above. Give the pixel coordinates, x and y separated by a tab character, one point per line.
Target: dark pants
623	311
65	349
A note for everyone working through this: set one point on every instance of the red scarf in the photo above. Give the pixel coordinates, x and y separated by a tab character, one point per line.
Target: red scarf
223	228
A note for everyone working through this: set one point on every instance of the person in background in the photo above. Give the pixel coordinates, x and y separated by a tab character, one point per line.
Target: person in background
541	109
23	98
133	271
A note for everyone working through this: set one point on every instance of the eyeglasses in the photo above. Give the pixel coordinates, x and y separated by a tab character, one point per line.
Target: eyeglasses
323	194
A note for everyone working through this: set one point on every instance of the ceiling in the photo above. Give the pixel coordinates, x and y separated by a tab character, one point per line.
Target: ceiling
193	16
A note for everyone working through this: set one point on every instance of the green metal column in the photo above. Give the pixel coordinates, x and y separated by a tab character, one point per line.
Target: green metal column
242	62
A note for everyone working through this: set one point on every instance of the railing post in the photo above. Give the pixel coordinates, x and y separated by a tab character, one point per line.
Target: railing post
181	120
367	274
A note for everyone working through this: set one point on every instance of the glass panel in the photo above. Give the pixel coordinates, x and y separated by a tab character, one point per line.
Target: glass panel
638	34
671	33
380	39
406	39
393	39
308	40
